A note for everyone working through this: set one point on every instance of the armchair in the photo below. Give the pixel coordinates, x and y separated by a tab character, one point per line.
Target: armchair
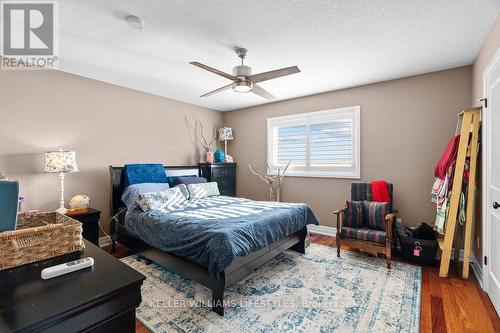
364	224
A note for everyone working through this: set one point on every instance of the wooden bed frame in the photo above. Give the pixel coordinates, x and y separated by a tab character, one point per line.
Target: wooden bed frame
239	268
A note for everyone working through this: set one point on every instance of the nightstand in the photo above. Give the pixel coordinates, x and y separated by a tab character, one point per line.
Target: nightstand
90	220
224	174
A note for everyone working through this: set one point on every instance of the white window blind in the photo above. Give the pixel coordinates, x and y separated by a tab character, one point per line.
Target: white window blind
318	144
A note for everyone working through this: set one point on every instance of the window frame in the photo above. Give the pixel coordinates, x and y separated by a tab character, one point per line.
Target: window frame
318	117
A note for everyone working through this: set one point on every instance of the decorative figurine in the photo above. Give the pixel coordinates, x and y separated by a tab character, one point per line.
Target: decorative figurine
219	156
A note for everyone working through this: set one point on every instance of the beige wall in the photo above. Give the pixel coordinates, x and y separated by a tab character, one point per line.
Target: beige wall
104	124
487	51
405	125
490	46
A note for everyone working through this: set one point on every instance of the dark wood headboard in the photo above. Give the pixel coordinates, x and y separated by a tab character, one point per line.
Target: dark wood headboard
117	188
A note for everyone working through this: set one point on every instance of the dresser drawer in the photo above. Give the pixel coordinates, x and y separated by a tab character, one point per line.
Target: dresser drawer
225	181
227	190
218	173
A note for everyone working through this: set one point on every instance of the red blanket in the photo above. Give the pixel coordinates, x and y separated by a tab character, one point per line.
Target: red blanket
380	191
449	157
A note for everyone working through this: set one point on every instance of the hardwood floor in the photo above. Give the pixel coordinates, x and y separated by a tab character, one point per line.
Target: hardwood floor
447	305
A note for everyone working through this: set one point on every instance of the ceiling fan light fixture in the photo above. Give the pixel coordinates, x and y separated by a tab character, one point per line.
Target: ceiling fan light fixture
242	79
242	86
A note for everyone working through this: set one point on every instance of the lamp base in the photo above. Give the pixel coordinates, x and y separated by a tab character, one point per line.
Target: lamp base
62	210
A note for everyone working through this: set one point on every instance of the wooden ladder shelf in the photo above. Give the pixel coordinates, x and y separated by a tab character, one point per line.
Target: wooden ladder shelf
469	142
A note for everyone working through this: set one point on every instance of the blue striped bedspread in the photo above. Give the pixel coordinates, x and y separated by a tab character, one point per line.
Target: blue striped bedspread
213	231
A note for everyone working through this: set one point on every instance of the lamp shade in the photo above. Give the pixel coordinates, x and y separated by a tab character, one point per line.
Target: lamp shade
225	133
60	161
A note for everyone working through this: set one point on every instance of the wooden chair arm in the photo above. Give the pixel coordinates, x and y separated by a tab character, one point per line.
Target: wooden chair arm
338	211
389	219
391	216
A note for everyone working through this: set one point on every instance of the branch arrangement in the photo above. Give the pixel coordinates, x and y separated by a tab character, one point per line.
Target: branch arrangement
272	180
200	137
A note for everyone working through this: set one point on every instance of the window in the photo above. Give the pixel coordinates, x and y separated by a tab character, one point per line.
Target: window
318	144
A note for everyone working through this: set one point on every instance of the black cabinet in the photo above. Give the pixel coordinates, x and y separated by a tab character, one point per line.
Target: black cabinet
224	174
90	223
98	299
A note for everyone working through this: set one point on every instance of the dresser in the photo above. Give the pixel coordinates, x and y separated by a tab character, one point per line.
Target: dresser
224	174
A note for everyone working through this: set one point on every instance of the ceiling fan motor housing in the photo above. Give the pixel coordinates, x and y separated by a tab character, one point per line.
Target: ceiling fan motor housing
241	72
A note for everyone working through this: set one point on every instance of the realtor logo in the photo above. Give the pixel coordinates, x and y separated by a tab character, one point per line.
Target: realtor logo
29	39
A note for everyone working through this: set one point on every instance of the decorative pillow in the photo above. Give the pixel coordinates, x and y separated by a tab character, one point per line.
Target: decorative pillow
375	213
184	190
132	192
204	190
169	200
353	214
171	179
143	173
189	180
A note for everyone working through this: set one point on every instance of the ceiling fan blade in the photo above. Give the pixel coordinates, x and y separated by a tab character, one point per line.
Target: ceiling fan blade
217	90
258	90
213	70
273	74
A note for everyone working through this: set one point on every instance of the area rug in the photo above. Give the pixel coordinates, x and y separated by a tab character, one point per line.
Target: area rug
312	292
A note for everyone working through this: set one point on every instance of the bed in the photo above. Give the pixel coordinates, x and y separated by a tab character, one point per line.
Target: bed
216	241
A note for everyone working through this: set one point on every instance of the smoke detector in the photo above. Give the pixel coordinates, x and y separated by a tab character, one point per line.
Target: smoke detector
134	22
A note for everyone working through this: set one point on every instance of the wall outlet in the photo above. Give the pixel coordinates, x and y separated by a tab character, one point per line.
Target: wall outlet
398	219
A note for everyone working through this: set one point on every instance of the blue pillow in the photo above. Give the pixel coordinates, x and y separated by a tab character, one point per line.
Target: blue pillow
189	180
183	189
171	179
143	173
132	192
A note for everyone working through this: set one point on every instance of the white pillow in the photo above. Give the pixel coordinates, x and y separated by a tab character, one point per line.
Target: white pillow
203	190
169	200
131	193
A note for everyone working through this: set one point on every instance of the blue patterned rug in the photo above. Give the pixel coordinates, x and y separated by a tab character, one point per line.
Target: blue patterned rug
314	292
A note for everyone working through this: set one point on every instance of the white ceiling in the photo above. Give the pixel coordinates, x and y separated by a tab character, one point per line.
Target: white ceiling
336	44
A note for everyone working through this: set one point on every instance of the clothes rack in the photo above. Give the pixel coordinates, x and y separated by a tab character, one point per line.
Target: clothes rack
468	146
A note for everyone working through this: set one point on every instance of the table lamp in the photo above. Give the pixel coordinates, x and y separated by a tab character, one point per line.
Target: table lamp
60	162
225	134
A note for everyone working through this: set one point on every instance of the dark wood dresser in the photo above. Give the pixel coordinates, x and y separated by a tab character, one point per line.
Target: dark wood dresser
101	298
224	174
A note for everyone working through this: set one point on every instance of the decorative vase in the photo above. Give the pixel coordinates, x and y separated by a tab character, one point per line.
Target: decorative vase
219	156
209	156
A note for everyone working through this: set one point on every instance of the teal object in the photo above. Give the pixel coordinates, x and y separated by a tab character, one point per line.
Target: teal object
9	203
219	156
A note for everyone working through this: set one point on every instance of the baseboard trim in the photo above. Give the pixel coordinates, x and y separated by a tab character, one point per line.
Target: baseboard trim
322	230
104	241
477	269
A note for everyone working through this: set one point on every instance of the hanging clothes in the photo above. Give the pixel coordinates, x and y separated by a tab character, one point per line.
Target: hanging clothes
441	214
441	195
448	158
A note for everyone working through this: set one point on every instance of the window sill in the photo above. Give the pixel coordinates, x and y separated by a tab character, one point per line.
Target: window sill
319	174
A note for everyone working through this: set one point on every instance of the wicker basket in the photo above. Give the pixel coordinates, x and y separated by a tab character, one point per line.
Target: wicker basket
39	236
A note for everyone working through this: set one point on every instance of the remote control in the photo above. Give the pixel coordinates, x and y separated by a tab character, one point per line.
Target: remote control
51	272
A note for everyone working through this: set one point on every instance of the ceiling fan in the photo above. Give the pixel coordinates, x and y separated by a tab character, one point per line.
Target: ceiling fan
243	79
